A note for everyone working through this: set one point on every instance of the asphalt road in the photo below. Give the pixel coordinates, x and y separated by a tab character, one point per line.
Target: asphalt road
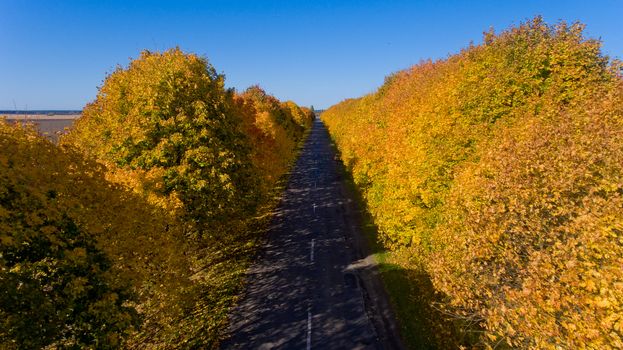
313	287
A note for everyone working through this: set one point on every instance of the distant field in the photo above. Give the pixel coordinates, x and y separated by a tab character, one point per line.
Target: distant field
41	116
48	125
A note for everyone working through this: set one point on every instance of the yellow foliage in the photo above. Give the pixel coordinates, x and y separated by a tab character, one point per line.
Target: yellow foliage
501	167
140	240
171	175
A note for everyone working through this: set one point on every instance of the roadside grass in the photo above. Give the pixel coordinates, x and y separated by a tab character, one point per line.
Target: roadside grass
411	293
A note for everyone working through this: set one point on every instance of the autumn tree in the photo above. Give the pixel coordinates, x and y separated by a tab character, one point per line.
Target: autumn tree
507	187
205	161
166	118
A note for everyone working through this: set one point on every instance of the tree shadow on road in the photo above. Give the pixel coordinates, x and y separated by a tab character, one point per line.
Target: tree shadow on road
412	295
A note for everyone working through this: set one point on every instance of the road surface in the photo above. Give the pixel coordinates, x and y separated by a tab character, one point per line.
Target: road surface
312	287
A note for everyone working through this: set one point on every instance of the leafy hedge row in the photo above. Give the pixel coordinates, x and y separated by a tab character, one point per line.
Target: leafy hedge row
135	230
500	171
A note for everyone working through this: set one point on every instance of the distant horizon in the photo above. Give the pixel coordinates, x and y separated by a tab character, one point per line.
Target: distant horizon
57	54
38	110
22	111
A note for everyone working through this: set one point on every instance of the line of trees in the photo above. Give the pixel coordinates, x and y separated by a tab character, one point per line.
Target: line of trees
498	173
135	231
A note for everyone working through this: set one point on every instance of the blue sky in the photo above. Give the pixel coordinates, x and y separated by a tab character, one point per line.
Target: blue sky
54	54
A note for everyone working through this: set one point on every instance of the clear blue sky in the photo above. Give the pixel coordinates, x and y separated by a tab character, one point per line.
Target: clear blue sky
54	54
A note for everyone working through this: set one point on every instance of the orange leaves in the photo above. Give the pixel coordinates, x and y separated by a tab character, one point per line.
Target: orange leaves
274	129
504	163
